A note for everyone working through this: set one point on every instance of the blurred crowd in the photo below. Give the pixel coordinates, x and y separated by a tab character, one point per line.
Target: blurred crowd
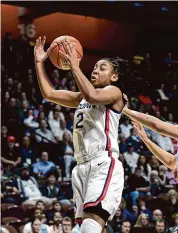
38	156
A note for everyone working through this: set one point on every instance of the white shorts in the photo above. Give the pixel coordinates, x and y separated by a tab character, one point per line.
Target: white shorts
100	180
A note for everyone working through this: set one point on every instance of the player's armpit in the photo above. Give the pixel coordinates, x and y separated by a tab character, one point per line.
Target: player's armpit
65	98
107	95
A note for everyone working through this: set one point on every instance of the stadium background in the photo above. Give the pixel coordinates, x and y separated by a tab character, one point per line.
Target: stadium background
142	32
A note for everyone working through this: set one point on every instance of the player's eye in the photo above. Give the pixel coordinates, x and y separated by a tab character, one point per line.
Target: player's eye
102	68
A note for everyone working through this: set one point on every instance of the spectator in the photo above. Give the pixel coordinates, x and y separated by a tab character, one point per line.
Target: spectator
175	224
4	135
137	186
11	157
162	175
57	226
171	205
160	226
127	169
27	151
122	144
53	190
43	166
41	116
40	205
68	154
62	130
6	99
23	109
9	193
155	185
171	119
125	227
43	133
36	225
29	120
133	139
11	112
54	123
157	215
29	189
115	223
70	121
43	227
129	213
56	207
165	143
125	128
67	225
143	209
154	163
142	221
145	167
131	157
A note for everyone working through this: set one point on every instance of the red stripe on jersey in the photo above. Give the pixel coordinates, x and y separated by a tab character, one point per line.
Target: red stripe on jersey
106	186
79	220
107	127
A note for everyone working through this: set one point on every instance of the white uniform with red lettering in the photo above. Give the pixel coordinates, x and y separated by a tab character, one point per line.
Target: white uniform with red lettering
98	176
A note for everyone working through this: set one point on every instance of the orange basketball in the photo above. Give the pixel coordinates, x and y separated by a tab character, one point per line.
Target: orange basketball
58	59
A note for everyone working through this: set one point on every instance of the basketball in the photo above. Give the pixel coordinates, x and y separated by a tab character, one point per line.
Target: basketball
58	59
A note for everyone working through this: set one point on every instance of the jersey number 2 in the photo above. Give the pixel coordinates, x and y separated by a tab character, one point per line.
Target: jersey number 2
79	124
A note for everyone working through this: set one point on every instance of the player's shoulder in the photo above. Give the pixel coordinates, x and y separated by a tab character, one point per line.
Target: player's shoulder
112	87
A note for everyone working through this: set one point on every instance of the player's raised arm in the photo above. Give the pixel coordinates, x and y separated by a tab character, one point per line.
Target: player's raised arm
153	123
108	95
61	97
166	158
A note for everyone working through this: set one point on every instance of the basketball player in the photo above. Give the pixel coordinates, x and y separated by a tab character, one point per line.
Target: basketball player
98	178
158	126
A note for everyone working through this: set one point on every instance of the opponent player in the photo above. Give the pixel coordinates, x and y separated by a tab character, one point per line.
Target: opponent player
171	161
158	126
98	178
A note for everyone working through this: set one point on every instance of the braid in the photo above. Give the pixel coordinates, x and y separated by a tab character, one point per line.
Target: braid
129	81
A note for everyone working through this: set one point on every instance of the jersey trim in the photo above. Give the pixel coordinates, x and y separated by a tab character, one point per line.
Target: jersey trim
79	220
107	127
105	188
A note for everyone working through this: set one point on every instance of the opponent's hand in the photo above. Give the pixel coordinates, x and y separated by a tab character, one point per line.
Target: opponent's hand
71	54
140	130
39	53
127	100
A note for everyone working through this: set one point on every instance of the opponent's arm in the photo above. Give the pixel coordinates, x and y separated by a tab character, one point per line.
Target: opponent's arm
61	97
153	123
107	95
166	158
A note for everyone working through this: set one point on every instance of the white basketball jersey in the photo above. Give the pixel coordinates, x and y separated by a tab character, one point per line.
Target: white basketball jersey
95	130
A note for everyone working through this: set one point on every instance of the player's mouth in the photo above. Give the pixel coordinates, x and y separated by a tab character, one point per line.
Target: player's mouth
93	78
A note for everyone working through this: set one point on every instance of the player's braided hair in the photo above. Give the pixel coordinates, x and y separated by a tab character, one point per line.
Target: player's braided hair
129	81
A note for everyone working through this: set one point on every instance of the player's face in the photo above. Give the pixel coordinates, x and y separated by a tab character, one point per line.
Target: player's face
103	74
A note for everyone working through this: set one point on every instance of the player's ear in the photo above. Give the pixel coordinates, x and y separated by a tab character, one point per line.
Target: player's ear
114	77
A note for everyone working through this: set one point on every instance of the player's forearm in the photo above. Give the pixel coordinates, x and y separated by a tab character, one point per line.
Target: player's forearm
44	83
146	120
86	88
153	123
166	158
